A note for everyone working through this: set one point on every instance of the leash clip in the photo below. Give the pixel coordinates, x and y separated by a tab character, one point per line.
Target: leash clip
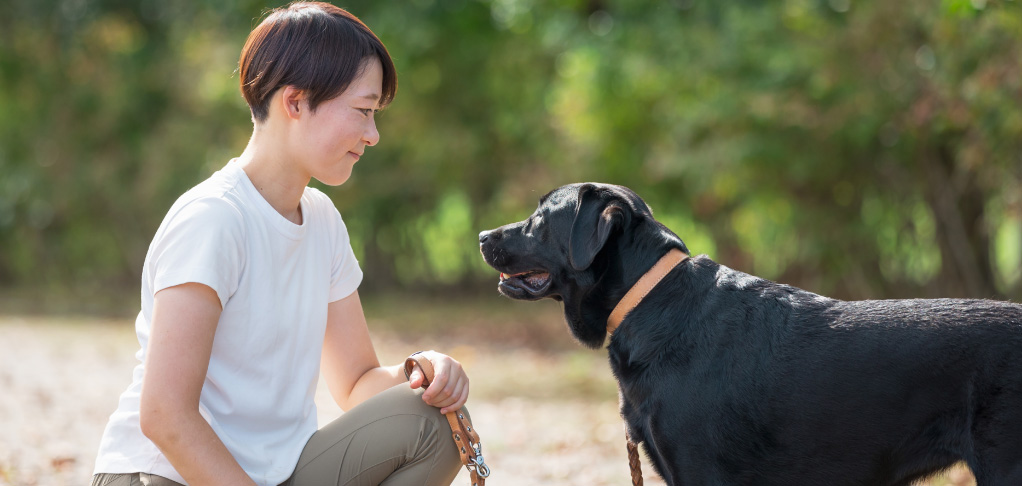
478	463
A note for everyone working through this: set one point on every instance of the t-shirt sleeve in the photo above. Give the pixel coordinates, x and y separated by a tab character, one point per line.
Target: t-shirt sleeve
201	243
345	276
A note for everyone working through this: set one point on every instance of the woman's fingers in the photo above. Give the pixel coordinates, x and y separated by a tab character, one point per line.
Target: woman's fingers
459	397
440	389
415	378
454	400
448	395
450	386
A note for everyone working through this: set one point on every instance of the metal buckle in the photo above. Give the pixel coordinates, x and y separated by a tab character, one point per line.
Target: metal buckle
478	463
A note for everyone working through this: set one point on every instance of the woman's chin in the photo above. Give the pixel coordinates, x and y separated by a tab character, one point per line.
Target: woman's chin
334	179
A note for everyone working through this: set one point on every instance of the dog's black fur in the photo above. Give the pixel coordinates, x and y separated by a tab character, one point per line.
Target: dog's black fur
729	379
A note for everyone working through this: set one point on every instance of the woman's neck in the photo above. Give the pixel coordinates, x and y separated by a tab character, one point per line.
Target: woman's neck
275	174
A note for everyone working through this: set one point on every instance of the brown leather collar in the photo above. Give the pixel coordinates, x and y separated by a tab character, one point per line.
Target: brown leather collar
643	286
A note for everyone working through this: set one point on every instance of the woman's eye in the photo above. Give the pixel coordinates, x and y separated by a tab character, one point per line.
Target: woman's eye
366	111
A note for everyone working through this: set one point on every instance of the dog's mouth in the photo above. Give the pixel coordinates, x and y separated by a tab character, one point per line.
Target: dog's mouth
525	285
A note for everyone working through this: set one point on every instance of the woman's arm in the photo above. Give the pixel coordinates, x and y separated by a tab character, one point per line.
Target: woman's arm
183	324
353	372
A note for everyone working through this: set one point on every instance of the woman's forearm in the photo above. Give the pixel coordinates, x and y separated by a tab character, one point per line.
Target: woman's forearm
373	381
193	448
448	392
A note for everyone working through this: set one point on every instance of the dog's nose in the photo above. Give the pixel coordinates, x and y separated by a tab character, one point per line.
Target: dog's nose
491	236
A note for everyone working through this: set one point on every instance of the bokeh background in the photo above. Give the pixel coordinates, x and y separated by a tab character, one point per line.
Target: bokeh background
854	148
859	149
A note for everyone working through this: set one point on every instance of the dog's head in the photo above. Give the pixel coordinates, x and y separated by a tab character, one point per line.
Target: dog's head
585	245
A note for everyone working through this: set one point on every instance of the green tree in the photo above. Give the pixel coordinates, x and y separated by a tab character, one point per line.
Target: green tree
856	148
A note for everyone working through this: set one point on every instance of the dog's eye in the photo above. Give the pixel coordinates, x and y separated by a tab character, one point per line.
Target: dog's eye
531	224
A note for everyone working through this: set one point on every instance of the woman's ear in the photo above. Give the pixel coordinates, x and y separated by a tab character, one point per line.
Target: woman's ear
293	102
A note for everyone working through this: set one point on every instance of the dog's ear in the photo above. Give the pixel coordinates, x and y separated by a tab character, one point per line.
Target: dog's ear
595	219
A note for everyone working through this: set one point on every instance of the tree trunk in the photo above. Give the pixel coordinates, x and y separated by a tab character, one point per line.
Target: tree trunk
958	207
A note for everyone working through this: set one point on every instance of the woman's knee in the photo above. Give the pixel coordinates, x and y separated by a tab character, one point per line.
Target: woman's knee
411	402
436	455
398	437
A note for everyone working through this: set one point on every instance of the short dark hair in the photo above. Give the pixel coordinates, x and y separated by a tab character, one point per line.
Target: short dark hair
316	47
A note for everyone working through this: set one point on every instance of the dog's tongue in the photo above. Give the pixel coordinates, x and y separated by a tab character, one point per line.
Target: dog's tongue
537	279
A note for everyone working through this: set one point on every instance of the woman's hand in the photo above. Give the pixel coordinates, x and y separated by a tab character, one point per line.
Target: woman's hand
449	389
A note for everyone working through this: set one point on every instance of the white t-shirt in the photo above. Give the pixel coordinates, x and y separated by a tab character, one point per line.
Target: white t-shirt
274	279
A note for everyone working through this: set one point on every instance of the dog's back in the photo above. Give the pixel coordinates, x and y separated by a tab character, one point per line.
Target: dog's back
776	385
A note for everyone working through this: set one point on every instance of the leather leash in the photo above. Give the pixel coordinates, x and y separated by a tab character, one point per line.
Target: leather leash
631	299
465	436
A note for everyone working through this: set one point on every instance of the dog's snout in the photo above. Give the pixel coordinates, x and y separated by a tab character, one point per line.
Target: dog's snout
488	235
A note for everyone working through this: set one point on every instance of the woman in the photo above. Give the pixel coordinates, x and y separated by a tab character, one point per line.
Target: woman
249	286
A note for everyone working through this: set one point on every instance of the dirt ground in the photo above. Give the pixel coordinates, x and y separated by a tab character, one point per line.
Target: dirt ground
547	413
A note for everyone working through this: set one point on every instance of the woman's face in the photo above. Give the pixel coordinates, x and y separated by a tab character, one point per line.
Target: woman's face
334	136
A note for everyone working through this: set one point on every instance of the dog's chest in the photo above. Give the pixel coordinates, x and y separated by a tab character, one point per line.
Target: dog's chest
638	399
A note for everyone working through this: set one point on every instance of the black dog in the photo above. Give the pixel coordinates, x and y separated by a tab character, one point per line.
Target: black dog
729	379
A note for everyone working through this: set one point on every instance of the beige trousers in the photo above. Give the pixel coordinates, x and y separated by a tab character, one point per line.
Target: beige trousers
392	439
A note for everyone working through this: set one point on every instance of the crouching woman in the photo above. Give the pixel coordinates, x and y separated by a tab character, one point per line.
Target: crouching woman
249	291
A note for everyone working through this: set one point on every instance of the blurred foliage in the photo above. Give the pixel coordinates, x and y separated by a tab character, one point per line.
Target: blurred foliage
853	148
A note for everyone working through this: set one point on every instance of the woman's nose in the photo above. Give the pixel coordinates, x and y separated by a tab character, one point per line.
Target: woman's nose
371	135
